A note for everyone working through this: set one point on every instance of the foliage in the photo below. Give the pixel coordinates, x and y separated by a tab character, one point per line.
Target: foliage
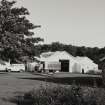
74	95
15	31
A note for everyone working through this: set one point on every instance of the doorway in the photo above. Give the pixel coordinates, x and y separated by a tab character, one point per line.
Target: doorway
64	65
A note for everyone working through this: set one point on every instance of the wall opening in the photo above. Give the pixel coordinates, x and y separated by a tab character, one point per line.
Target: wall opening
64	65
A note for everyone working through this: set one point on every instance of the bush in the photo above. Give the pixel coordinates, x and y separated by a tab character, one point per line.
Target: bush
74	95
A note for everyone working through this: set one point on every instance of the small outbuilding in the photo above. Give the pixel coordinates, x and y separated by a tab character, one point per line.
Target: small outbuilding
87	64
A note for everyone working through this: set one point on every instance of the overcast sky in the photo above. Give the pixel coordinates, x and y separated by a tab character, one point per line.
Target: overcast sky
76	22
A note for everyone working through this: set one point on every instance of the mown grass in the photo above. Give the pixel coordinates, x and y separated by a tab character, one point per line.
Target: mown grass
83	81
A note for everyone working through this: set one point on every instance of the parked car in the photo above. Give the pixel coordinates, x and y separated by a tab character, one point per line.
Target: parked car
16	68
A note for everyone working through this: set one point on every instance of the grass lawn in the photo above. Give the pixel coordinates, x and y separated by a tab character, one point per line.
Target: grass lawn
69	78
12	84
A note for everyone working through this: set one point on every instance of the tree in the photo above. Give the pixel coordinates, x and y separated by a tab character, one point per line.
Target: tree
15	36
56	46
79	51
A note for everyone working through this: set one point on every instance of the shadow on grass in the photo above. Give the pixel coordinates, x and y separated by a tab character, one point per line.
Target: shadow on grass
3	72
18	100
83	81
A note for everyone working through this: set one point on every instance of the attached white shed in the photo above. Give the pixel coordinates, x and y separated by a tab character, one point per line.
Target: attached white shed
87	64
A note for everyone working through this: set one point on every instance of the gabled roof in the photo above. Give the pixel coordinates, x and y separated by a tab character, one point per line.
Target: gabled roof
55	56
84	59
46	54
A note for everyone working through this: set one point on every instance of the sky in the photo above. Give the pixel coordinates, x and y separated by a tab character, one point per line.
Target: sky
76	22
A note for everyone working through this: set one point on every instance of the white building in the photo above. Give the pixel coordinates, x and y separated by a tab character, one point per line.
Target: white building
68	62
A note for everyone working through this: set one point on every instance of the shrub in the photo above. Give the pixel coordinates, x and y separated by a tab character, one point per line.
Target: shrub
58	95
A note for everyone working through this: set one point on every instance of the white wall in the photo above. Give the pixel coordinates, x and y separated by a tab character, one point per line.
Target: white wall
87	64
76	64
